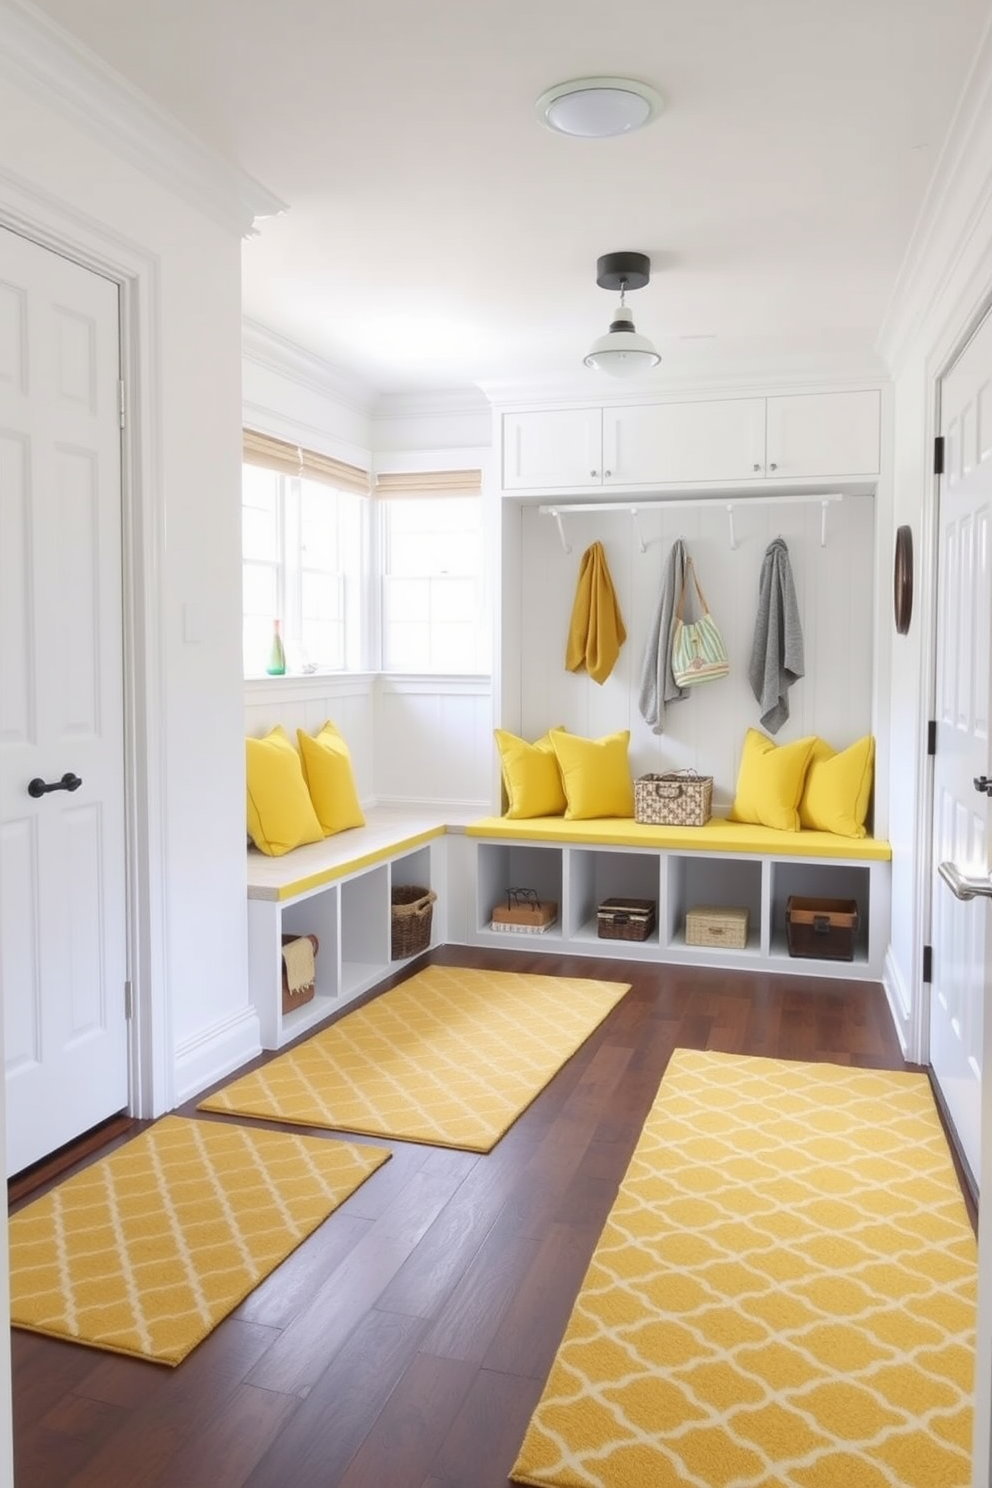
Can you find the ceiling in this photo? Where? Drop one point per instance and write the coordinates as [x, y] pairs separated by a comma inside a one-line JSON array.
[[438, 238]]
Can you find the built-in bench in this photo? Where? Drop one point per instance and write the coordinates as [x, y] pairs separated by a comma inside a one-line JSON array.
[[340, 890]]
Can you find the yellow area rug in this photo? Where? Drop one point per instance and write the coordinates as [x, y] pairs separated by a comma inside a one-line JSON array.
[[147, 1249], [451, 1057], [783, 1294]]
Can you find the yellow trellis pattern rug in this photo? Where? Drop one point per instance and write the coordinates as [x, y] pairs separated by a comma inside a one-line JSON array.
[[783, 1295], [144, 1251], [451, 1057]]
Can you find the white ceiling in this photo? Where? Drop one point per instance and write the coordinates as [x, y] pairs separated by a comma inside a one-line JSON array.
[[438, 238]]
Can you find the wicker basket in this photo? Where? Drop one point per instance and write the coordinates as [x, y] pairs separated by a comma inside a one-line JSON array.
[[716, 925], [412, 910], [625, 919], [679, 799]]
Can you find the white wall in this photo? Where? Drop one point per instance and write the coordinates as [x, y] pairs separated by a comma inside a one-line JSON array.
[[186, 387], [835, 591]]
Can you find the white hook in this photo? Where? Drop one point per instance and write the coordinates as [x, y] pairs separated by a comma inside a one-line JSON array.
[[733, 535], [561, 531], [637, 529]]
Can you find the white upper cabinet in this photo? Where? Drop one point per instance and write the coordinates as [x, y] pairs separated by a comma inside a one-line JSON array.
[[823, 434], [552, 451], [720, 440], [728, 441]]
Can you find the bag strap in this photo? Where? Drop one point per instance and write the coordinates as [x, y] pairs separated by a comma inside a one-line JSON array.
[[704, 609]]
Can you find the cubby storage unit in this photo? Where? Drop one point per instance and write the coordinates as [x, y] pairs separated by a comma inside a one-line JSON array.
[[341, 891], [581, 876]]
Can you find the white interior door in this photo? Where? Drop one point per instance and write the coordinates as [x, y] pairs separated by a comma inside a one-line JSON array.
[[961, 927], [62, 851]]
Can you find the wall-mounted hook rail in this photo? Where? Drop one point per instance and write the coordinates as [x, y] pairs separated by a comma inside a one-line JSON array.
[[694, 502]]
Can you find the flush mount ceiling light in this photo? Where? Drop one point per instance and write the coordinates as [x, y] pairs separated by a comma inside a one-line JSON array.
[[598, 107], [622, 352]]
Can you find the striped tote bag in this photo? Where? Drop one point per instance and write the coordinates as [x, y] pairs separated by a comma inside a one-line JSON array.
[[698, 652]]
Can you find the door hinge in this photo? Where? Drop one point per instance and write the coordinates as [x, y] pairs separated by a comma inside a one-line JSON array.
[[927, 964], [120, 401], [938, 455], [128, 1001], [932, 736]]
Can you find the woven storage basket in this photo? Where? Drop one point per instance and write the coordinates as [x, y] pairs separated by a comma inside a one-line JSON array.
[[291, 1000], [625, 919], [412, 912], [716, 925], [679, 799]]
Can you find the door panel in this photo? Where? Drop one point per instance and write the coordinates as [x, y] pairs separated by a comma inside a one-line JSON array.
[[961, 930], [62, 854]]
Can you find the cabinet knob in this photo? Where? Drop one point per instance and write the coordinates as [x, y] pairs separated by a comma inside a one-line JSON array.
[[757, 467], [594, 472], [772, 465], [607, 474]]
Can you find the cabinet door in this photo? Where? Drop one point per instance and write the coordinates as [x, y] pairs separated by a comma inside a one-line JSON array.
[[824, 434], [557, 450], [719, 440]]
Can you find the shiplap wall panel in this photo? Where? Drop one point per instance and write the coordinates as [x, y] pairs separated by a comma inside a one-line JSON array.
[[434, 742], [706, 730]]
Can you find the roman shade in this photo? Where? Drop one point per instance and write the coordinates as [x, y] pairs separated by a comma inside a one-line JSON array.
[[293, 459], [424, 483]]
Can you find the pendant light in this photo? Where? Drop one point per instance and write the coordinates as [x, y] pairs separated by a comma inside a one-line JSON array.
[[622, 352]]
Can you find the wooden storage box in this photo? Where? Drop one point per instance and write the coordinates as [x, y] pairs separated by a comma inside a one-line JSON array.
[[625, 919], [823, 929], [529, 917], [291, 1000], [716, 925]]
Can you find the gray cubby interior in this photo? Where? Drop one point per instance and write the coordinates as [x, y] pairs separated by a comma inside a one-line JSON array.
[[730, 882], [595, 875], [516, 865], [819, 881]]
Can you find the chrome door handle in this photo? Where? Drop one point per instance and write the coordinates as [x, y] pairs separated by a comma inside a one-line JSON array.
[[962, 887]]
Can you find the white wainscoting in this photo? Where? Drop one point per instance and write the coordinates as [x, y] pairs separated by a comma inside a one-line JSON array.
[[834, 585], [434, 741], [308, 702]]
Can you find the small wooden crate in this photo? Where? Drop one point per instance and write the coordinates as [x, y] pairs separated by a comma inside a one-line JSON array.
[[717, 925], [823, 929], [625, 919]]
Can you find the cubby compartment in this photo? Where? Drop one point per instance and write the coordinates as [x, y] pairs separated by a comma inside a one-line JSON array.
[[819, 881], [414, 871], [365, 929], [729, 882], [598, 874], [505, 866], [315, 915]]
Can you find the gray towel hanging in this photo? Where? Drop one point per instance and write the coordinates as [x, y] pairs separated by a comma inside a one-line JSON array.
[[777, 658]]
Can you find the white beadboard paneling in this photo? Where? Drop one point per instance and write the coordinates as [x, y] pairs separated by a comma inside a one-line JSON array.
[[309, 702], [704, 731], [434, 740]]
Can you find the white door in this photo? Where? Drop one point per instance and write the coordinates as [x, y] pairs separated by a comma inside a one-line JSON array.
[[961, 928], [62, 851]]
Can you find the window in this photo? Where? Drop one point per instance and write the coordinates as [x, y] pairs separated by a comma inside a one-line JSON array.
[[302, 558], [434, 608]]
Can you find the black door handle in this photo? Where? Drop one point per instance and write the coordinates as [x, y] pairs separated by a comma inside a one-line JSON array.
[[38, 787], [983, 783]]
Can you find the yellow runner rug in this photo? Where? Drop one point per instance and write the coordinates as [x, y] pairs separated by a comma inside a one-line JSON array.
[[147, 1249], [451, 1057], [783, 1294]]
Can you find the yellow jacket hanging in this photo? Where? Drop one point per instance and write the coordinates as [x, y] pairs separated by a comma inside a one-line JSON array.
[[596, 630]]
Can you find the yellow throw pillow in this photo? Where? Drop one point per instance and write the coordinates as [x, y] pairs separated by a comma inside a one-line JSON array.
[[595, 774], [280, 812], [330, 780], [530, 775], [838, 788], [770, 781]]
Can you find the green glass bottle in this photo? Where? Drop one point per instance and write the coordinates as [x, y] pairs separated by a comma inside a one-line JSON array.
[[276, 665]]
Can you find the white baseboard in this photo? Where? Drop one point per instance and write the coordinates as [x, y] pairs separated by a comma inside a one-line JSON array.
[[216, 1053], [895, 994]]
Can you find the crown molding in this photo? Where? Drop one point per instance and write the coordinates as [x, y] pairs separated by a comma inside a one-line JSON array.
[[266, 348], [957, 201], [61, 73], [443, 403], [867, 373]]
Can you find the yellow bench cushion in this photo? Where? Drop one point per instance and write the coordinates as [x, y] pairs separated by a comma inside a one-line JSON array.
[[718, 835]]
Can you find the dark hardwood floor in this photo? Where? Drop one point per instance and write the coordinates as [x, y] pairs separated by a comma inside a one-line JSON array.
[[405, 1343]]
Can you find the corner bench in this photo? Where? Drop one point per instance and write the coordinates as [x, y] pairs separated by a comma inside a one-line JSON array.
[[340, 890], [580, 863]]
